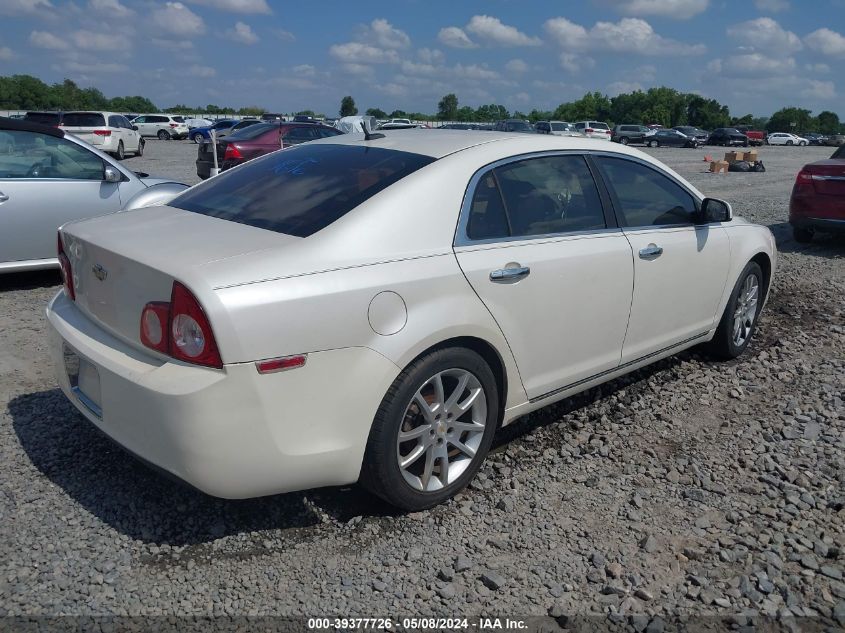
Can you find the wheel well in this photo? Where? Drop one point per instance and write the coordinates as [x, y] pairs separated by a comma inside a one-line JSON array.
[[490, 356], [765, 264]]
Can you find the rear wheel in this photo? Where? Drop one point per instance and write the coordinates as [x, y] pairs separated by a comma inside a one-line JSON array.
[[802, 235], [120, 154], [624, 140], [789, 142], [432, 430], [653, 144], [163, 135], [801, 143], [739, 321]]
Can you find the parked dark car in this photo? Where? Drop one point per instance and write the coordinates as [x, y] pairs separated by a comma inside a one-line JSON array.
[[53, 119], [698, 134], [514, 125], [221, 128], [671, 138], [629, 133], [818, 198], [728, 136], [257, 140], [814, 138], [835, 140]]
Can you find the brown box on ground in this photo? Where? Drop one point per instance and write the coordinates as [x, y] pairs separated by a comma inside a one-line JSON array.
[[750, 156], [719, 165], [732, 157]]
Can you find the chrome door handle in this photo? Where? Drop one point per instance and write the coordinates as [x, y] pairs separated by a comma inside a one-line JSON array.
[[512, 273], [3, 197], [652, 250]]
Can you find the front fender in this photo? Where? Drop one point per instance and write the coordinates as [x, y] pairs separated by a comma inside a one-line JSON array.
[[155, 195]]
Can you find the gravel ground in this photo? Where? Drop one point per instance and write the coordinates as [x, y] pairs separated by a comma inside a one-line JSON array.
[[687, 488]]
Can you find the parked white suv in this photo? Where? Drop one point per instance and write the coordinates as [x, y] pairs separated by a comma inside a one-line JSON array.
[[594, 129], [107, 131], [162, 126]]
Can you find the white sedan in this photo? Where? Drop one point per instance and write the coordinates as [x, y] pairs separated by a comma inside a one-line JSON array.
[[784, 138], [373, 309]]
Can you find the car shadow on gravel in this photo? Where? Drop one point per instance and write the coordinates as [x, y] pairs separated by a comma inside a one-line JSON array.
[[826, 245], [147, 506], [30, 280]]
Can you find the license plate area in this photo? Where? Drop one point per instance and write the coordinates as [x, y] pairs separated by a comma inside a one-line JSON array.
[[84, 380]]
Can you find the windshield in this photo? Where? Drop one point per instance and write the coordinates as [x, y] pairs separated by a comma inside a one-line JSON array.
[[301, 190]]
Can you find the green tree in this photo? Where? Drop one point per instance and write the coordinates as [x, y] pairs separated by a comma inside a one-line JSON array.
[[592, 106], [251, 111], [377, 113], [447, 108], [310, 113], [707, 114], [492, 112], [828, 122], [398, 114], [539, 115], [465, 113], [347, 107], [790, 119]]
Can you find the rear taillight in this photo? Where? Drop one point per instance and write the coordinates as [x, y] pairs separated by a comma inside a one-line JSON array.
[[174, 125], [804, 177], [180, 329], [231, 153], [607, 132], [589, 130], [102, 132], [67, 271]]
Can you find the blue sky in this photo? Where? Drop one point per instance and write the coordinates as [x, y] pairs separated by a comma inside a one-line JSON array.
[[754, 55]]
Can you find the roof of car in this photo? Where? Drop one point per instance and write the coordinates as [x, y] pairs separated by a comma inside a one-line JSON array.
[[19, 125]]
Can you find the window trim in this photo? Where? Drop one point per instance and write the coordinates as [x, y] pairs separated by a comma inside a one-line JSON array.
[[462, 239]]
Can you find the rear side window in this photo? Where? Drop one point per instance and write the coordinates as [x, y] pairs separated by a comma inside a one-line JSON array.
[[301, 190], [645, 197], [538, 196], [84, 119]]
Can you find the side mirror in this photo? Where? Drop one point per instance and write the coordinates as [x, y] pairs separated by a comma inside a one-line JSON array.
[[715, 210], [135, 127], [110, 174]]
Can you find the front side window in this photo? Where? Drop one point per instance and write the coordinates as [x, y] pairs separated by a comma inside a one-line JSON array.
[[538, 196], [645, 197], [33, 155], [140, 119], [301, 190]]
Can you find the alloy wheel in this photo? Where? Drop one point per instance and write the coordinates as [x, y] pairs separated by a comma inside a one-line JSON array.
[[441, 430], [746, 310]]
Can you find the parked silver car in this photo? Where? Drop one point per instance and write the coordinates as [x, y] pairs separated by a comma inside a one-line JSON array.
[[48, 177], [162, 126]]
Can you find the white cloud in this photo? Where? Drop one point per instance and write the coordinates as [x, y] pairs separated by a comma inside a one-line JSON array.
[[516, 66], [285, 36], [95, 68], [43, 39], [628, 35], [826, 41], [431, 56], [360, 53], [618, 87], [6, 53], [305, 70], [765, 34], [773, 6], [646, 72], [817, 68], [361, 70], [575, 63], [202, 71], [236, 6], [94, 41], [383, 34], [110, 9], [752, 65], [458, 71], [393, 90], [26, 7], [819, 90], [173, 45], [473, 71], [677, 9], [242, 33], [455, 37], [494, 31], [177, 19]]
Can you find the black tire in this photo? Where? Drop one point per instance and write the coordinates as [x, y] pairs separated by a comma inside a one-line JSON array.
[[120, 154], [198, 138], [653, 144], [723, 346], [789, 142], [141, 143], [163, 135], [801, 143], [380, 473], [624, 140], [802, 235]]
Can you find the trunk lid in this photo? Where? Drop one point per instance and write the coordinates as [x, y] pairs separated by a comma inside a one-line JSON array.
[[828, 176], [123, 261]]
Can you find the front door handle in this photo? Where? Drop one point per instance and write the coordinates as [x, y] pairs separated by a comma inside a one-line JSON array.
[[512, 272], [3, 197], [651, 251]]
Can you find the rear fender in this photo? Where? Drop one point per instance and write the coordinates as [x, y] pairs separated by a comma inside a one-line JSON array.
[[155, 196]]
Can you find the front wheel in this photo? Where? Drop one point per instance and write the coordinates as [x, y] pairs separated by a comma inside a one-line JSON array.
[[163, 135], [198, 138], [739, 320], [120, 154], [624, 140], [653, 143], [141, 143], [432, 430], [801, 144]]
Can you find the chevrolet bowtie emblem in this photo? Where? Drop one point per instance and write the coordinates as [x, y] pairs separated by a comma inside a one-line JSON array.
[[99, 272]]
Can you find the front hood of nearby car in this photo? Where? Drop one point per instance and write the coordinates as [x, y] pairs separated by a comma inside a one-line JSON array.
[[150, 181]]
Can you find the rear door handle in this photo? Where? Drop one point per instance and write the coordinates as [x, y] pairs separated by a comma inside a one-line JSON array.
[[3, 197], [651, 251], [511, 273]]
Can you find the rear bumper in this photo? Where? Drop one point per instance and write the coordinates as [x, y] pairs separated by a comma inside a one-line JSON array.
[[231, 433], [820, 224]]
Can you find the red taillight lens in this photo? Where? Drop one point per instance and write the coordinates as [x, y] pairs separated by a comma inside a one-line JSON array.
[[232, 152], [102, 132], [191, 337], [174, 125], [155, 320], [804, 177], [589, 130], [67, 271]]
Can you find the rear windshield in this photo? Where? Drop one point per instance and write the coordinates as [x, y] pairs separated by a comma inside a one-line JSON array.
[[301, 190], [598, 125], [47, 118], [252, 131], [83, 119], [561, 127], [178, 119]]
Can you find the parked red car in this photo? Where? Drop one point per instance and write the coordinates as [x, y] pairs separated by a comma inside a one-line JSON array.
[[818, 198], [257, 140]]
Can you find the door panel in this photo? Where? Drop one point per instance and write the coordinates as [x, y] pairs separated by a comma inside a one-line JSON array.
[[564, 321]]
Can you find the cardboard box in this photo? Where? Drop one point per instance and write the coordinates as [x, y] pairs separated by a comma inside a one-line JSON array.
[[719, 165], [732, 157], [750, 156]]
